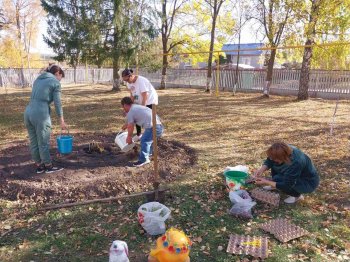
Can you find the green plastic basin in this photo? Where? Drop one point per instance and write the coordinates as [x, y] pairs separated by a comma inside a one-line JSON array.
[[237, 176]]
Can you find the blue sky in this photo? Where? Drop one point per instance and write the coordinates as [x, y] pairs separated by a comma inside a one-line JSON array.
[[41, 46], [248, 36]]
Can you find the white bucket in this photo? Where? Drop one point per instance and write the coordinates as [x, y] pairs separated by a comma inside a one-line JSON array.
[[120, 140]]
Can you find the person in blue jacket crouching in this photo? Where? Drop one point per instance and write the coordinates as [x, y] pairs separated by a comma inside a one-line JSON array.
[[292, 172]]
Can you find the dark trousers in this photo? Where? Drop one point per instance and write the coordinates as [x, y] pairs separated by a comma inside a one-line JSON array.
[[138, 128], [291, 192], [286, 190]]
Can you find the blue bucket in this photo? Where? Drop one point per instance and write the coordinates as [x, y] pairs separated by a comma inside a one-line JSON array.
[[65, 144]]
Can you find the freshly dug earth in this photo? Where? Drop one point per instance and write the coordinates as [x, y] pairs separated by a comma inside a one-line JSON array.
[[96, 168]]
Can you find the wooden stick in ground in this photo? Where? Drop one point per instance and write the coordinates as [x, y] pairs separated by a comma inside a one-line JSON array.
[[334, 114], [155, 151], [87, 202]]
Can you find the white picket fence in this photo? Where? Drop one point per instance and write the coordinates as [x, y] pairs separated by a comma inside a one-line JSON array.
[[321, 81], [283, 81], [16, 77]]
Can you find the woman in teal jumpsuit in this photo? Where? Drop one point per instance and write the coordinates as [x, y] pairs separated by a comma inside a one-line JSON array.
[[46, 89], [292, 172]]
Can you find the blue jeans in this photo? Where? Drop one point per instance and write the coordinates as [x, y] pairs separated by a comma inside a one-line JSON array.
[[147, 141], [286, 190], [302, 185]]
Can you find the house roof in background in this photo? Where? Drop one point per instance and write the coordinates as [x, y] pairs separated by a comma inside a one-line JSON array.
[[228, 47]]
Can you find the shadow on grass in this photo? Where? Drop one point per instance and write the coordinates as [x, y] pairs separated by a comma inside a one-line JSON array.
[[85, 233], [213, 126]]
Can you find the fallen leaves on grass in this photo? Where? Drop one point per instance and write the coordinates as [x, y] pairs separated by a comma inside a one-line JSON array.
[[216, 195], [265, 216], [196, 197], [198, 239], [326, 223], [24, 245], [208, 205], [347, 246]]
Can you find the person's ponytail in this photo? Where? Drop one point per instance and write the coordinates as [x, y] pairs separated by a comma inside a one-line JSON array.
[[53, 69]]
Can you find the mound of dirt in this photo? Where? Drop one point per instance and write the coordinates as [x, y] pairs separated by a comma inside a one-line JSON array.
[[96, 168]]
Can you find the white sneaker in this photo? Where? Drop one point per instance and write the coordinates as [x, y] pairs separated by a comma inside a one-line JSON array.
[[268, 188], [140, 164], [292, 200], [136, 138]]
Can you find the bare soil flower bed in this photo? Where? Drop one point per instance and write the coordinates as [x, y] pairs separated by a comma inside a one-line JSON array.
[[96, 168]]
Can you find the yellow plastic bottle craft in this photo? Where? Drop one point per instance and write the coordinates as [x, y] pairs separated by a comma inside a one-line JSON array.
[[173, 246]]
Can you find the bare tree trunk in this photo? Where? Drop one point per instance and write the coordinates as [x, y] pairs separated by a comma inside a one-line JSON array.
[[116, 59], [29, 44], [2, 19], [75, 74], [237, 62], [19, 38], [28, 60], [303, 93], [116, 77], [1, 81], [269, 74], [167, 18], [27, 41], [210, 58], [164, 69], [307, 57], [163, 80], [98, 73], [165, 29]]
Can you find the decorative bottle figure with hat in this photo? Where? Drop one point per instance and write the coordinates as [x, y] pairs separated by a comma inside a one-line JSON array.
[[173, 246]]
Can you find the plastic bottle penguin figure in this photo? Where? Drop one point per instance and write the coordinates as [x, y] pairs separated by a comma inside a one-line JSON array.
[[173, 246]]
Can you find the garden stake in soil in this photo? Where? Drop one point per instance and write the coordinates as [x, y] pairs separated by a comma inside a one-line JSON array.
[[155, 154]]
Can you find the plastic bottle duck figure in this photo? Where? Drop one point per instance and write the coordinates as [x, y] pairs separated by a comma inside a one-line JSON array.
[[173, 246]]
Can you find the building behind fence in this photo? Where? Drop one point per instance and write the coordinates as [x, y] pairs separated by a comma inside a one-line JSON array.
[[323, 83]]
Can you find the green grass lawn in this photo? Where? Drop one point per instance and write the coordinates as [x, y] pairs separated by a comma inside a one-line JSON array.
[[225, 131]]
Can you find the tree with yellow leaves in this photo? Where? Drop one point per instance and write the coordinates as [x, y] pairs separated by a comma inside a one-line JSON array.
[[10, 57], [275, 17], [168, 14], [23, 18], [322, 18], [213, 24]]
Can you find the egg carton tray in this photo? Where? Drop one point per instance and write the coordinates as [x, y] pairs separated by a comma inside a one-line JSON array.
[[248, 245], [283, 229], [265, 196]]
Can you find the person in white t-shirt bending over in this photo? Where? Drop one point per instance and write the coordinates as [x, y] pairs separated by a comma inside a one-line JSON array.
[[142, 92]]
